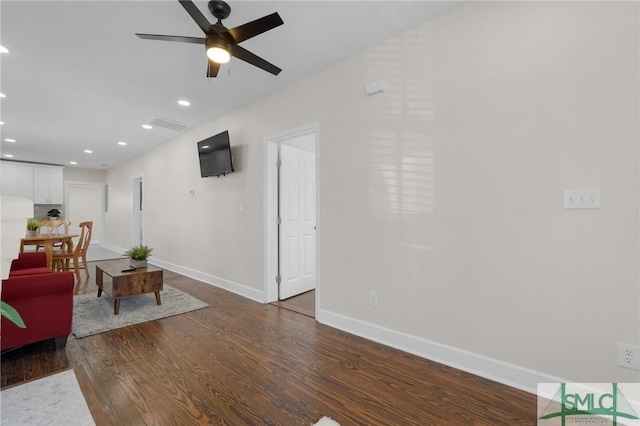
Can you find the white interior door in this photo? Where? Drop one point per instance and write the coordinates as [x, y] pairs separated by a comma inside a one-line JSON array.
[[297, 222], [85, 204]]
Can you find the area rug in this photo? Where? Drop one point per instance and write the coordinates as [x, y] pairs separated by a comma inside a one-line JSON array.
[[52, 400], [326, 421], [93, 315]]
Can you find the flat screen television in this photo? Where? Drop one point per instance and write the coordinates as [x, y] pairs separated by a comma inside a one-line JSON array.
[[215, 155]]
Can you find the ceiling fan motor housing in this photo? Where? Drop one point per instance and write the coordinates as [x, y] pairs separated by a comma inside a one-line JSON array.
[[217, 41]]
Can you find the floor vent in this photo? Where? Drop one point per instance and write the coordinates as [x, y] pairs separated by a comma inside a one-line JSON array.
[[167, 123]]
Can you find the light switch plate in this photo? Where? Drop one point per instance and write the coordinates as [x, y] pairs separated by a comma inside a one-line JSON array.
[[588, 198]]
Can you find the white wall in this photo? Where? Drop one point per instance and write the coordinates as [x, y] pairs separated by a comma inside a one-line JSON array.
[[444, 194], [75, 174]]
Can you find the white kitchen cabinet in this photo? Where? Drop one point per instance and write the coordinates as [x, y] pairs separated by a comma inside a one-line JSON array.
[[47, 185], [17, 179], [25, 181], [9, 183]]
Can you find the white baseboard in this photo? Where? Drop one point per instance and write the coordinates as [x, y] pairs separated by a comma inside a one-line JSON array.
[[112, 248], [240, 289], [499, 371]]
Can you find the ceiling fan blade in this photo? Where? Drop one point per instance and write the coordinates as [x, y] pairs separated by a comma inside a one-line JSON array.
[[212, 68], [253, 28], [245, 55], [196, 15], [196, 40]]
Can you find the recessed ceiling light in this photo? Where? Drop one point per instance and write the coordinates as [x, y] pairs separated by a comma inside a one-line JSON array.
[[122, 143], [88, 151], [4, 49], [9, 155], [184, 103], [73, 162], [147, 126], [9, 140], [2, 95]]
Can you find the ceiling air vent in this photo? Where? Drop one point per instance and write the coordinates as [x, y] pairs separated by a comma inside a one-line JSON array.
[[167, 124]]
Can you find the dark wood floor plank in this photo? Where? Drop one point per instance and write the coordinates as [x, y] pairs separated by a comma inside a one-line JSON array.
[[239, 362], [100, 415]]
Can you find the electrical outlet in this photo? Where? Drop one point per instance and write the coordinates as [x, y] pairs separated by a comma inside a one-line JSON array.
[[629, 356], [373, 298]]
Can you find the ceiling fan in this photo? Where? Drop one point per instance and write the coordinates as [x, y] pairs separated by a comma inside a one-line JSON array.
[[220, 42]]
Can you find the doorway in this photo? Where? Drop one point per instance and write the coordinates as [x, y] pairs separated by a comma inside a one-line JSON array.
[[85, 202], [137, 208], [291, 225]]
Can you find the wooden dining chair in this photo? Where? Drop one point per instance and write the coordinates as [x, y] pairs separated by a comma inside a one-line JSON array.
[[76, 259], [56, 227]]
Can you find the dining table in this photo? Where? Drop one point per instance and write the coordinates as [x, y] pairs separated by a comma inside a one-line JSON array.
[[47, 241]]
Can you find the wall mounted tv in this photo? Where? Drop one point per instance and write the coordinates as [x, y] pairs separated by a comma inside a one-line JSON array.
[[215, 155]]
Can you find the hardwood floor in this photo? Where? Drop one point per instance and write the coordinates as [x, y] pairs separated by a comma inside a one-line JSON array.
[[239, 362], [304, 303]]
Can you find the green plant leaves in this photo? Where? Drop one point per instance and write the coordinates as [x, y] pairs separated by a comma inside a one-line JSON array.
[[140, 252], [11, 314]]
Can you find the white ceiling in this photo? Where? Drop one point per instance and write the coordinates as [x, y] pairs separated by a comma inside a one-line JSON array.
[[77, 77]]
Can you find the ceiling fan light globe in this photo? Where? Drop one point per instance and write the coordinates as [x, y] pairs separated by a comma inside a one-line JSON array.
[[218, 55]]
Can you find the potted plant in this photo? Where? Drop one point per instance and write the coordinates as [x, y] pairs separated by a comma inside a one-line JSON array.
[[138, 255], [32, 227], [53, 214]]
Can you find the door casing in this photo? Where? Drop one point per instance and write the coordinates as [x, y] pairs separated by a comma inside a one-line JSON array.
[[270, 201], [137, 213]]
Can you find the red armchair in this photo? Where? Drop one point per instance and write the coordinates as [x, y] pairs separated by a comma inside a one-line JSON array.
[[44, 300], [29, 263]]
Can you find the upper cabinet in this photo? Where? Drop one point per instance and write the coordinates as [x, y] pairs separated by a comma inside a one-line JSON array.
[[17, 179], [40, 183], [47, 185], [9, 183]]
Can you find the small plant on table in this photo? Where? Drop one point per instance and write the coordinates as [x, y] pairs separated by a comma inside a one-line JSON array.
[[32, 227], [138, 255]]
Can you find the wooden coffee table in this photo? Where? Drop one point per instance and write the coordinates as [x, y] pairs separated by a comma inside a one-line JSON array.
[[117, 284]]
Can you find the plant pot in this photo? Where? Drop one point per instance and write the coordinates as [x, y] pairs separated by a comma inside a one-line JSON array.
[[138, 263], [32, 233]]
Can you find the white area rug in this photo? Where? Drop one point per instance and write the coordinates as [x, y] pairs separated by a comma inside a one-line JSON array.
[[52, 400], [93, 315], [326, 421]]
